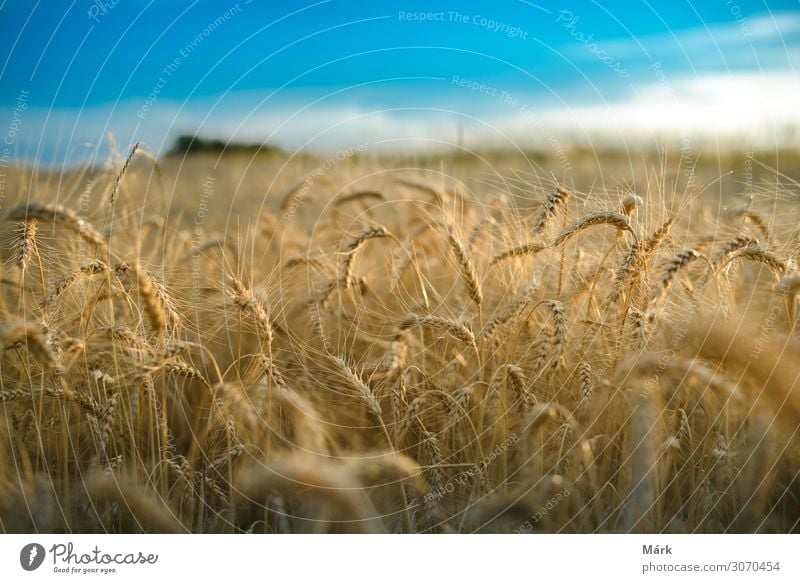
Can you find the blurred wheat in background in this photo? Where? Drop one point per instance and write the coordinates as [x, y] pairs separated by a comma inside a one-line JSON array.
[[273, 345]]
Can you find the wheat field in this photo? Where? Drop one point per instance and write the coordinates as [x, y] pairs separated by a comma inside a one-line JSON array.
[[358, 344]]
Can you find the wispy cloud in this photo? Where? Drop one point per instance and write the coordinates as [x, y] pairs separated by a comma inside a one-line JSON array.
[[757, 42]]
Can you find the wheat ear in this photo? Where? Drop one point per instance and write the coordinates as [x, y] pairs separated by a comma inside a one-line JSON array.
[[360, 195], [466, 269], [25, 243], [92, 268], [58, 214], [559, 197], [19, 333], [670, 272], [612, 218], [520, 251], [374, 232]]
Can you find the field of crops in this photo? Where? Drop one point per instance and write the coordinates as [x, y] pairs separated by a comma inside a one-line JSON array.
[[255, 343]]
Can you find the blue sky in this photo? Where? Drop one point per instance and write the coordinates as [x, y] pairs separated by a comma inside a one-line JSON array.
[[336, 73]]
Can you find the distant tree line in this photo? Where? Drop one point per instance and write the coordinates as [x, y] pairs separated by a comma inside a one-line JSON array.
[[189, 144]]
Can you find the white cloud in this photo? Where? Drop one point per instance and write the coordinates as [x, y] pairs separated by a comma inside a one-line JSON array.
[[753, 106], [734, 103]]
